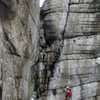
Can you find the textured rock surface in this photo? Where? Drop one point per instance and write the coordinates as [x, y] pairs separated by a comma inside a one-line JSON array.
[[67, 53], [19, 20], [70, 50]]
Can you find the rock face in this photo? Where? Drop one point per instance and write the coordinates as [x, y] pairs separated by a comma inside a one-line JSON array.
[[65, 53], [69, 50], [19, 23]]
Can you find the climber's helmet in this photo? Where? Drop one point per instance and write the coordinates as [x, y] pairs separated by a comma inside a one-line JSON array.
[[67, 88]]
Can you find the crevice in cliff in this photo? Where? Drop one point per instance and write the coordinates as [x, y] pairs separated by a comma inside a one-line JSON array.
[[81, 86], [27, 3], [59, 51], [84, 35], [33, 19], [35, 77], [9, 45], [49, 67], [66, 20]]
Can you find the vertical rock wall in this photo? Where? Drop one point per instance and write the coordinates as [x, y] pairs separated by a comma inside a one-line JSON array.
[[67, 53], [19, 23], [70, 49]]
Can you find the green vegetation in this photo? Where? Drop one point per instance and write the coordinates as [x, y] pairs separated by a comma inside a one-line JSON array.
[[95, 1], [97, 67], [32, 93], [95, 4], [97, 51], [31, 88]]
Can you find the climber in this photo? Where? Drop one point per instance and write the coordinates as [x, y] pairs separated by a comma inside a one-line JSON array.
[[68, 93]]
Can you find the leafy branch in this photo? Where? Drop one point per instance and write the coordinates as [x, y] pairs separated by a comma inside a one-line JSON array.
[[95, 4]]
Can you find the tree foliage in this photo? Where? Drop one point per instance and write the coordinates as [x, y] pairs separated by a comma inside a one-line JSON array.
[[95, 4]]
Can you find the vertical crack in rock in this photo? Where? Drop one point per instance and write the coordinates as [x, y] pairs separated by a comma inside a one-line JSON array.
[[66, 20], [57, 53], [9, 45]]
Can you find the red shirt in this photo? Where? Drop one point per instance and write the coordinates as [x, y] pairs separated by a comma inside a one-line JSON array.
[[69, 93]]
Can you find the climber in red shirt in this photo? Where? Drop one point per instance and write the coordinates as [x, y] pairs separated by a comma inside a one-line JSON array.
[[68, 93]]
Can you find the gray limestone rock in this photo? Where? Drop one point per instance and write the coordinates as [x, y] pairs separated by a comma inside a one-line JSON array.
[[19, 49], [75, 25], [43, 54]]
